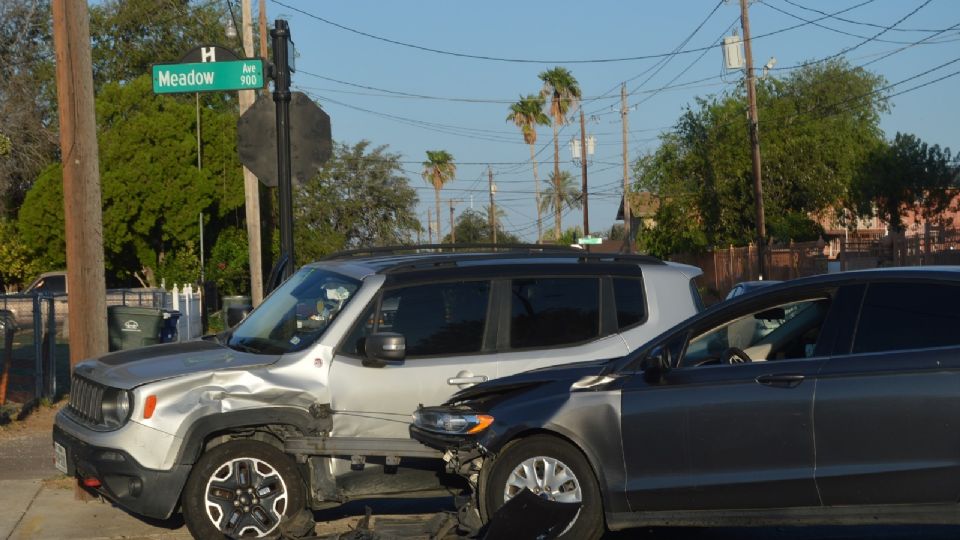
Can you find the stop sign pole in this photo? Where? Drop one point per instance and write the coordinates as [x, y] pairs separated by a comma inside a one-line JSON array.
[[281, 96]]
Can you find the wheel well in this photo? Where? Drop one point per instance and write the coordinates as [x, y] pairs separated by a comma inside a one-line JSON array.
[[272, 434], [485, 470]]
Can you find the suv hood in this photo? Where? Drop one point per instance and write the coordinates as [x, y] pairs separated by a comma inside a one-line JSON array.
[[129, 369], [529, 379]]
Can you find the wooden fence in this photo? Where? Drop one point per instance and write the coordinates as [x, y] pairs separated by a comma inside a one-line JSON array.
[[724, 268]]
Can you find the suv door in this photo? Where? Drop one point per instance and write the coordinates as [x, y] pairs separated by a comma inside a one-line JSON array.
[[449, 346], [730, 427], [550, 321], [886, 413]]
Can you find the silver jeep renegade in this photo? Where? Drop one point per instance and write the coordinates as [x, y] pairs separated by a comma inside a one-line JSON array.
[[306, 403]]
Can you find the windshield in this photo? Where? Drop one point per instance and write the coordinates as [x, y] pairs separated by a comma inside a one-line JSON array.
[[296, 314]]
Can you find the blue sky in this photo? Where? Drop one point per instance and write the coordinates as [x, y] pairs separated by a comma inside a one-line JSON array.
[[469, 120]]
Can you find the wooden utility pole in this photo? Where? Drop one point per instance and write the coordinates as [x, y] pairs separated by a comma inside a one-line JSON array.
[[83, 218], [627, 237], [754, 129], [251, 186], [583, 174], [262, 23], [493, 206], [453, 231]]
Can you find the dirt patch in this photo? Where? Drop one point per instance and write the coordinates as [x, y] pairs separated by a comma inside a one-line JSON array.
[[31, 420]]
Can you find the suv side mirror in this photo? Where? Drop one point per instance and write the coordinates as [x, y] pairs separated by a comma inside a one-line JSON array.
[[656, 365], [384, 348]]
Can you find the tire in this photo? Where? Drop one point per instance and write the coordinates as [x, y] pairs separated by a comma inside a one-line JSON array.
[[214, 494], [540, 450]]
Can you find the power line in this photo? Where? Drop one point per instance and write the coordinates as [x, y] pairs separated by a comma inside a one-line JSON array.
[[861, 23]]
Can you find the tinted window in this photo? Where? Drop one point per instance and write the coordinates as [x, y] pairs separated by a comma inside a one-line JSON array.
[[631, 308], [440, 318], [554, 311], [354, 343], [899, 316]]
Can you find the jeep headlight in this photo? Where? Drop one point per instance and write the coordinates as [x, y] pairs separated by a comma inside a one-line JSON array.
[[451, 421], [116, 407]]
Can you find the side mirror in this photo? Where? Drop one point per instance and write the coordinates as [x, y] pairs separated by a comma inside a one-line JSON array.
[[384, 348], [656, 365]]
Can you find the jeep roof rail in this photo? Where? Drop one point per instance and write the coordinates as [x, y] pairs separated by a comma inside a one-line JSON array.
[[452, 248]]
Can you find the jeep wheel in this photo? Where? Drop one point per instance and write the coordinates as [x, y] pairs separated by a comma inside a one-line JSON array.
[[552, 469], [242, 488]]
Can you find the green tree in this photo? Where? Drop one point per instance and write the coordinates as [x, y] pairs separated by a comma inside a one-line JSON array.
[[903, 176], [526, 114], [360, 198], [129, 36], [473, 227], [153, 193], [438, 169], [229, 263], [564, 93], [818, 125], [562, 193], [17, 263]]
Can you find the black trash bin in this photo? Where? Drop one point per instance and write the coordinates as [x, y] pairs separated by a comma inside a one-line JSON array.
[[235, 308], [168, 330], [129, 327]]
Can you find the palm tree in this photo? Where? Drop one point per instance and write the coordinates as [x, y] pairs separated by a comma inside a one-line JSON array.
[[437, 171], [526, 114], [564, 92], [561, 193]]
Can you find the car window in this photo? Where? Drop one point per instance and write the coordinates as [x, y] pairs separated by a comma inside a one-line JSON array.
[[777, 332], [631, 305], [548, 312], [436, 319], [898, 316]]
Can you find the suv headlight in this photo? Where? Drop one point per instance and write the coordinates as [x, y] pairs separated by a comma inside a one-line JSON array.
[[451, 422], [116, 407]]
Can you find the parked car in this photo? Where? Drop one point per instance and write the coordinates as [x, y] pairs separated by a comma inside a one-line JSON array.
[[306, 402], [749, 286], [21, 305], [845, 413]]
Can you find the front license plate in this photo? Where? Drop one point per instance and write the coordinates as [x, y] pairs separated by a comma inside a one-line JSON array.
[[60, 457]]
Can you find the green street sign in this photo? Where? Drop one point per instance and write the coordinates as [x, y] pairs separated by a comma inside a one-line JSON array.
[[590, 240], [208, 76]]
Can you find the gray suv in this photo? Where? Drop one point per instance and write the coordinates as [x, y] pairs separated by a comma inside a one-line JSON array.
[[305, 403]]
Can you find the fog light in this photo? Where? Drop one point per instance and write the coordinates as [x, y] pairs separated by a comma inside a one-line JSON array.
[[134, 487]]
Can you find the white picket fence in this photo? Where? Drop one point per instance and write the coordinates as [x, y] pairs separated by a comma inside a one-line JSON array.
[[186, 300]]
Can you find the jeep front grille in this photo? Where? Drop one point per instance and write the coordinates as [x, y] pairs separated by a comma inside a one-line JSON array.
[[85, 400]]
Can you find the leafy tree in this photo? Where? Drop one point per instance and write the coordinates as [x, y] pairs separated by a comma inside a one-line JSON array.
[[129, 36], [17, 264], [904, 176], [359, 198], [564, 93], [27, 98], [562, 193], [229, 264], [818, 126], [438, 169], [570, 236], [153, 193], [473, 227], [526, 114]]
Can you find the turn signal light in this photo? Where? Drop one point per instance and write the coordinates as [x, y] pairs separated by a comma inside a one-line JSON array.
[[483, 422], [149, 406]]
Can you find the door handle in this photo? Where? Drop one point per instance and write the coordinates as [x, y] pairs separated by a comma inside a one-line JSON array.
[[781, 381], [475, 379]]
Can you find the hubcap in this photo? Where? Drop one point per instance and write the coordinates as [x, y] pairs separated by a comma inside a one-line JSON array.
[[246, 497], [547, 478]]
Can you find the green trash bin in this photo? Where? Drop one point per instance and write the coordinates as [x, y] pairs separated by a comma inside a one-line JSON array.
[[130, 327]]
